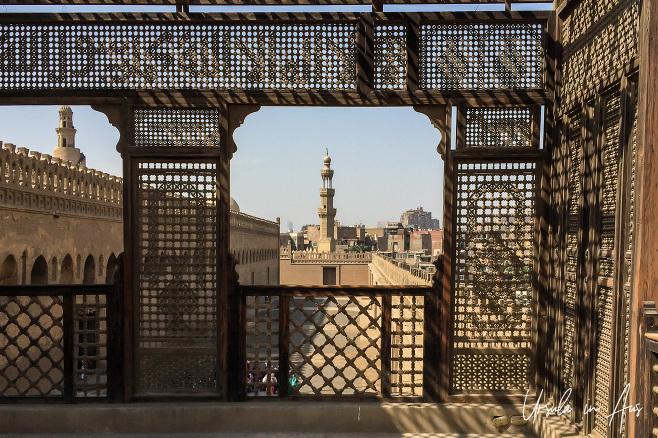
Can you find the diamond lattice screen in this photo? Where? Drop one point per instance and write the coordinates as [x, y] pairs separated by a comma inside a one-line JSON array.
[[177, 275], [493, 297], [335, 345], [481, 56], [31, 346]]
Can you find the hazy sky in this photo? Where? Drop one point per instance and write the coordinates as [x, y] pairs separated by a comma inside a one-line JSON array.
[[385, 159]]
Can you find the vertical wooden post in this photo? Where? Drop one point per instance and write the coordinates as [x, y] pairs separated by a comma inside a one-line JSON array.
[[69, 346], [284, 344], [115, 339], [365, 55], [413, 53], [645, 281], [433, 363], [449, 229], [386, 344]]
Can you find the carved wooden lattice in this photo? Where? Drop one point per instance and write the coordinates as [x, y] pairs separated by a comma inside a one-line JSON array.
[[200, 56], [262, 345], [498, 127], [481, 56], [31, 346], [571, 269], [407, 351], [335, 345], [177, 284], [391, 56], [600, 40], [90, 345], [168, 127], [494, 268]]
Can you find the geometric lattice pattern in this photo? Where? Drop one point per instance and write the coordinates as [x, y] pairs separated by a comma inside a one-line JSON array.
[[407, 343], [600, 39], [335, 345], [483, 372], [165, 127], [494, 265], [176, 266], [90, 345], [498, 127], [31, 346], [391, 57], [161, 56], [481, 56], [606, 295], [262, 345], [573, 227]]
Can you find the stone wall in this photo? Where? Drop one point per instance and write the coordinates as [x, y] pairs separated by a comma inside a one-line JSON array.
[[255, 245], [59, 222], [383, 271]]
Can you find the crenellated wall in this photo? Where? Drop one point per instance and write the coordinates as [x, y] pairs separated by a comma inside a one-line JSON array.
[[59, 222]]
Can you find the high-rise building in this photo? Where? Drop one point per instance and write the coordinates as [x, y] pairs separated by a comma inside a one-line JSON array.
[[419, 219], [327, 212]]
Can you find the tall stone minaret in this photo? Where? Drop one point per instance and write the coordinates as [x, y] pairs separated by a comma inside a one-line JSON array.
[[66, 149], [327, 212]]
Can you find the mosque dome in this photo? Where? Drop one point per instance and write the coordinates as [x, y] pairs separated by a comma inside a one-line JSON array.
[[327, 160], [234, 206], [65, 108]]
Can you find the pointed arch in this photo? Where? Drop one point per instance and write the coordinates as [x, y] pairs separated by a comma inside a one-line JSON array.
[[66, 271], [112, 266], [39, 273], [9, 271], [89, 270]]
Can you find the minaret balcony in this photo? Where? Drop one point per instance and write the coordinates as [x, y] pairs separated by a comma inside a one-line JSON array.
[[324, 212], [327, 192]]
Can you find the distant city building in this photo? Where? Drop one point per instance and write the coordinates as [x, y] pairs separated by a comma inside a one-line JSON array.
[[419, 219]]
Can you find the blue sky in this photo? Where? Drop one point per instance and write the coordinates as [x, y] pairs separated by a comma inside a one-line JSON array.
[[385, 159]]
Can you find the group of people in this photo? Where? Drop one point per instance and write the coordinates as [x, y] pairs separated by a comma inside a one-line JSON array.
[[265, 379]]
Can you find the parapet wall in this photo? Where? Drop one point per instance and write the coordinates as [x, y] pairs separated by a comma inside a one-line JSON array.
[[398, 273], [36, 181]]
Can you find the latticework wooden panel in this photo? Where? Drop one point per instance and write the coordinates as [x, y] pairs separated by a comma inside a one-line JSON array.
[[201, 56], [335, 345], [493, 296], [391, 56], [90, 345], [167, 127], [262, 345], [498, 127], [177, 284], [31, 346], [571, 269], [407, 345], [600, 40], [606, 303], [481, 56]]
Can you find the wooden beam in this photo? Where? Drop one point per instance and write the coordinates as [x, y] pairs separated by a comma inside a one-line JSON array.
[[644, 285]]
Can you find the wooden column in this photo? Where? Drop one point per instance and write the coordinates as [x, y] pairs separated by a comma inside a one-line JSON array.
[[645, 277]]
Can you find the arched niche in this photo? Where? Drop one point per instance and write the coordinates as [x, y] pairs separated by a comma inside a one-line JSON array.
[[66, 271], [89, 273], [9, 271], [39, 273]]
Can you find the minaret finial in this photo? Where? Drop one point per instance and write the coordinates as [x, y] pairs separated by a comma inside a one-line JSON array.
[[327, 152]]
